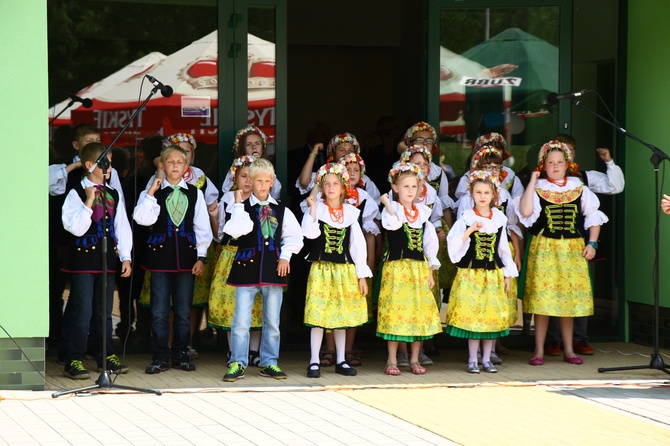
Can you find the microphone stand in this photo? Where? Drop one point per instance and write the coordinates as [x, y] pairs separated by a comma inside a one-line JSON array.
[[70, 104], [657, 157], [104, 381]]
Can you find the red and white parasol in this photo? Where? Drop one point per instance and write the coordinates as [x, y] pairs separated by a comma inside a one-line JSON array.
[[138, 67], [192, 72]]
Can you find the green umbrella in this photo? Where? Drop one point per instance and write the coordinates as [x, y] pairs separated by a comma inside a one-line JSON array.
[[536, 61]]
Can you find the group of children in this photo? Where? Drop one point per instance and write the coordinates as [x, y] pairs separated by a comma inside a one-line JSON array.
[[346, 222]]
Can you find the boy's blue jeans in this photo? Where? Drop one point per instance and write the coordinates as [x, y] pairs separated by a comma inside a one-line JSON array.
[[244, 301], [84, 288], [168, 289]]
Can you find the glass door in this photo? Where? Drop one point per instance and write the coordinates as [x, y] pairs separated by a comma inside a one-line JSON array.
[[253, 39], [491, 69]]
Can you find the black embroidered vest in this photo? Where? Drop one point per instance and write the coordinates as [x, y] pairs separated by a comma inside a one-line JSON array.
[[405, 243], [170, 248], [332, 245], [84, 252], [256, 260], [483, 251], [563, 220]]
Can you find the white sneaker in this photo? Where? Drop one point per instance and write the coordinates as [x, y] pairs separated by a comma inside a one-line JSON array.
[[424, 360], [403, 359]]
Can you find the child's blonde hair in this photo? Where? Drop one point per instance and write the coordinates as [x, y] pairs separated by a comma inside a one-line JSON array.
[[261, 165], [169, 149]]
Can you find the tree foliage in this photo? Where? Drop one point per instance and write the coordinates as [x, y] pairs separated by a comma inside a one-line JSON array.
[[89, 40]]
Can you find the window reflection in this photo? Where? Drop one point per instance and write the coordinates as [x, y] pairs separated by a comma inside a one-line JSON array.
[[497, 66]]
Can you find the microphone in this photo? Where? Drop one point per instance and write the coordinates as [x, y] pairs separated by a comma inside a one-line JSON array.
[[85, 102], [553, 98], [166, 90]]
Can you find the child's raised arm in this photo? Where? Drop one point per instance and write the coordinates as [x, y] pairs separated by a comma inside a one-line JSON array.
[[526, 201], [306, 172]]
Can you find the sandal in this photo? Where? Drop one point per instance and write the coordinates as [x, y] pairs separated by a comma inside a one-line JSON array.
[[352, 359], [417, 369], [326, 358], [392, 369]]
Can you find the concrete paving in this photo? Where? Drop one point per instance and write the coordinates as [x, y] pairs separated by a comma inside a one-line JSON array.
[[557, 403]]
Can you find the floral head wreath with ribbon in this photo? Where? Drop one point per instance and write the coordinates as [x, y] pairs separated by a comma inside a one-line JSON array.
[[400, 167], [482, 175], [174, 140], [492, 139], [341, 139], [337, 169], [242, 161], [354, 158], [243, 132], [482, 152], [415, 148], [420, 127], [557, 146]]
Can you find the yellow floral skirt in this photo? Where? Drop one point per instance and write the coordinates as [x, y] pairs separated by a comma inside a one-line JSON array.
[[478, 304], [512, 295], [557, 279], [222, 295], [334, 298], [203, 282], [407, 310]]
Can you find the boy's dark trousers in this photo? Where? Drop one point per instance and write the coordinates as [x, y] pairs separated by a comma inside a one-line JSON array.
[[170, 289], [86, 297]]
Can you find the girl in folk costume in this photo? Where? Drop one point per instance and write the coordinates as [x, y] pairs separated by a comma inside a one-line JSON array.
[[336, 286], [489, 159], [420, 154], [250, 141], [369, 210], [338, 146], [424, 134], [509, 180], [559, 212], [478, 305], [222, 295], [407, 310]]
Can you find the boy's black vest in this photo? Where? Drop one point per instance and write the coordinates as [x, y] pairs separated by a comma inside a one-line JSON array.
[[563, 220], [170, 248], [332, 245], [255, 263], [405, 243], [84, 252], [483, 251]]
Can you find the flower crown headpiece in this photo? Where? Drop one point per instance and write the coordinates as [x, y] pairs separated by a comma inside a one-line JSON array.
[[337, 169], [481, 152], [350, 158], [340, 139], [415, 148], [243, 132], [483, 175], [242, 161], [400, 167], [174, 140], [492, 139], [420, 127], [557, 146]]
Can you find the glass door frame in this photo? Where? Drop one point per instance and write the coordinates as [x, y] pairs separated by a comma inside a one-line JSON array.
[[433, 49], [233, 96]]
